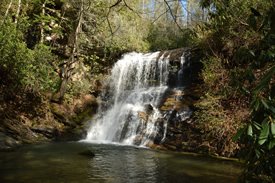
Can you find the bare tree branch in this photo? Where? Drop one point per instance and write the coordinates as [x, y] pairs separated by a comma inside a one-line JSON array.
[[109, 24], [160, 16], [117, 3], [8, 9], [138, 14], [43, 23], [173, 16], [68, 66], [18, 11], [109, 12]]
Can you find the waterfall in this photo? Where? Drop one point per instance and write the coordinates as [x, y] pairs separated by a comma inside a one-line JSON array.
[[129, 112], [181, 71]]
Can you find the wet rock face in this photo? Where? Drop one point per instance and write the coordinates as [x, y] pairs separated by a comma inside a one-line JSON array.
[[183, 131], [175, 119], [178, 105], [185, 66]]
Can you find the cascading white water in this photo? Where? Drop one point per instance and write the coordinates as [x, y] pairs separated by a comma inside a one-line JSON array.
[[181, 71], [134, 89]]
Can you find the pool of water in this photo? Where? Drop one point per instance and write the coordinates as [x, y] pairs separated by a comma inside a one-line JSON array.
[[63, 162]]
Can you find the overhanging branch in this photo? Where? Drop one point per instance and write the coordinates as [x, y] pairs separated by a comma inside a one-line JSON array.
[[173, 16]]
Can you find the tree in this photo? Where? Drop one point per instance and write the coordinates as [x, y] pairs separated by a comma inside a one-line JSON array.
[[68, 65], [18, 11], [8, 9]]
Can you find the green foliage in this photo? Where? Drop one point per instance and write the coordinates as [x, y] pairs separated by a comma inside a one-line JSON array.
[[41, 75], [22, 67], [212, 72], [214, 116], [218, 126], [260, 132], [78, 88], [14, 55], [163, 36], [241, 34], [125, 30], [81, 81]]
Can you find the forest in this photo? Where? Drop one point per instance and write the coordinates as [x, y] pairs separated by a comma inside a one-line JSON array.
[[55, 55]]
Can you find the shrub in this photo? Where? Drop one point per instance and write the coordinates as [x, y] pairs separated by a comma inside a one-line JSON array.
[[22, 67]]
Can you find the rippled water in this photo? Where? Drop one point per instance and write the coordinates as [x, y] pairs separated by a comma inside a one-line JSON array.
[[61, 162]]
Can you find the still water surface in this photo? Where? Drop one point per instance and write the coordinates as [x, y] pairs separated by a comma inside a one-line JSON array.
[[62, 162]]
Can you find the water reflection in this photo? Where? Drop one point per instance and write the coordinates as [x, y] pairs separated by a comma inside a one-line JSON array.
[[111, 164], [124, 165]]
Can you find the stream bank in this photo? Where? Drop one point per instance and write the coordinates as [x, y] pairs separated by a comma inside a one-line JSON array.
[[27, 117]]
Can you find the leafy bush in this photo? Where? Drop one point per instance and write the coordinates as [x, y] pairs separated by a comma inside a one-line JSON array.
[[80, 82], [242, 35], [218, 121], [22, 67], [169, 36], [259, 133], [41, 75], [15, 56]]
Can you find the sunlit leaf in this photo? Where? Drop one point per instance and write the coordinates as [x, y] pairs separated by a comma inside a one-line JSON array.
[[272, 126], [264, 133], [258, 153], [250, 130], [264, 104], [252, 53], [257, 125], [256, 105]]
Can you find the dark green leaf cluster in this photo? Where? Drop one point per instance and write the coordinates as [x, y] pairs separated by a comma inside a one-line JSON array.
[[22, 67], [242, 34]]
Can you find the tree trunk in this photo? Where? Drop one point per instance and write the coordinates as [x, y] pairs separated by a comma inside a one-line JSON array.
[[176, 9], [8, 9], [68, 67], [143, 7], [188, 14], [42, 34], [18, 11]]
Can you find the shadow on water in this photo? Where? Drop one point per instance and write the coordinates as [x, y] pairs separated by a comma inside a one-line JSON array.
[[70, 162]]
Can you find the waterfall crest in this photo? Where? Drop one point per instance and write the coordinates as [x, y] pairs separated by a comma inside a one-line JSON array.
[[129, 113]]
